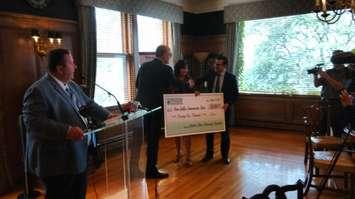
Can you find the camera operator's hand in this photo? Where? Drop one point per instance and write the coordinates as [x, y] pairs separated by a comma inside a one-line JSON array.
[[345, 98], [323, 74], [331, 81]]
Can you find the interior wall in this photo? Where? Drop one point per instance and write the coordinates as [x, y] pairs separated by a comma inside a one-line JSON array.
[[202, 33]]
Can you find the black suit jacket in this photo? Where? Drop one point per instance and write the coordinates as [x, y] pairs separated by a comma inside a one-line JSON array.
[[229, 87], [153, 80]]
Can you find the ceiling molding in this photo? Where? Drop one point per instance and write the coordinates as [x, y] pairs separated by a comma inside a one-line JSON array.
[[203, 6]]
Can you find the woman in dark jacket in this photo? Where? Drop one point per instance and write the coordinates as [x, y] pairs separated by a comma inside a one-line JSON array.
[[183, 84]]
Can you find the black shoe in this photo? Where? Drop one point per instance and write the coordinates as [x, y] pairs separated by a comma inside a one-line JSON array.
[[156, 175], [207, 158], [226, 160]]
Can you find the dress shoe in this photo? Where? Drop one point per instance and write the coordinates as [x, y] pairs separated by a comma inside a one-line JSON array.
[[207, 158], [156, 175], [226, 160]]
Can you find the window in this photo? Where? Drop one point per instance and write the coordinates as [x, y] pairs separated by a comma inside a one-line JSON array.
[[275, 53], [150, 33], [111, 71]]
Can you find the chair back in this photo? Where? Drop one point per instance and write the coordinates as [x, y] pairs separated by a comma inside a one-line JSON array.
[[311, 119], [280, 192]]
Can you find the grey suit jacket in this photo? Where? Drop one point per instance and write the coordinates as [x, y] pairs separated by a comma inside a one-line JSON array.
[[48, 112]]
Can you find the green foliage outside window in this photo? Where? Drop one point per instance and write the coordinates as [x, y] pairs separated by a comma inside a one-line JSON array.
[[274, 54]]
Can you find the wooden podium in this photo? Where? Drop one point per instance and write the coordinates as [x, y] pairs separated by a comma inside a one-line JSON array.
[[124, 165]]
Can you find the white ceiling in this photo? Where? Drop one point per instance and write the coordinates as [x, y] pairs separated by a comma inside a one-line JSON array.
[[201, 6]]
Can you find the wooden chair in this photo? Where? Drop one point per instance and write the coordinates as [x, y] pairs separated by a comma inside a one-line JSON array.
[[280, 192], [312, 136], [321, 160]]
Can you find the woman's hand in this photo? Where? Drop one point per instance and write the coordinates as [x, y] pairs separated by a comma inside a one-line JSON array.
[[191, 83]]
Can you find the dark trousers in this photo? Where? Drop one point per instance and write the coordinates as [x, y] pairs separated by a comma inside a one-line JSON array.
[[225, 140], [331, 116], [152, 126], [65, 186]]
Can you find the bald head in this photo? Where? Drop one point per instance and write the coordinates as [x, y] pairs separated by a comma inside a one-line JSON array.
[[163, 53]]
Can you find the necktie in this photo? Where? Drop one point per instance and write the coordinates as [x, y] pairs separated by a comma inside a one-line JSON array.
[[217, 87], [76, 104], [73, 98]]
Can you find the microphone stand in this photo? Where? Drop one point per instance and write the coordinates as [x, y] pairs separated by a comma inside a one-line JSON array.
[[124, 114]]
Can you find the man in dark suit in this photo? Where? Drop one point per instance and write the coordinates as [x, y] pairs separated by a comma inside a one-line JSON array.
[[209, 70], [56, 146], [154, 79], [225, 82]]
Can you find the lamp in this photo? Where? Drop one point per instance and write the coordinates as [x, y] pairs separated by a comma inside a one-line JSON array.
[[330, 11], [43, 45]]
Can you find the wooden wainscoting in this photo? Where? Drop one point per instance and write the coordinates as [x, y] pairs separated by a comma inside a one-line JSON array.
[[212, 43], [272, 111], [20, 67]]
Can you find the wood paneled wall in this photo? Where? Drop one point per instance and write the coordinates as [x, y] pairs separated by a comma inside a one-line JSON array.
[[192, 44], [212, 43], [20, 67], [272, 111]]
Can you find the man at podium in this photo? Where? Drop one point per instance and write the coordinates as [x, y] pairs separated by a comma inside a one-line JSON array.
[[56, 147]]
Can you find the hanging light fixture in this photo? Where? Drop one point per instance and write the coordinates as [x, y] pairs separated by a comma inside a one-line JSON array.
[[330, 11]]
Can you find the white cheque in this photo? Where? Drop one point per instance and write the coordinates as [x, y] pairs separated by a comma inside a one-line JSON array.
[[187, 114]]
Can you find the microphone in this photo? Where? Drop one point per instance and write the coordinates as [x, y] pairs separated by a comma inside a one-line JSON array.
[[124, 114]]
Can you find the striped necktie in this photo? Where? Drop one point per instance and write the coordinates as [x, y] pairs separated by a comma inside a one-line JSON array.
[[77, 105], [73, 98]]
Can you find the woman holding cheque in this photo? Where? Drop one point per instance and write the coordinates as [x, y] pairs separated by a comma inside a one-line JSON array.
[[183, 84]]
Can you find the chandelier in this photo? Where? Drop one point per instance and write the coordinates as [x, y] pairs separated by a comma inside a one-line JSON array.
[[330, 11]]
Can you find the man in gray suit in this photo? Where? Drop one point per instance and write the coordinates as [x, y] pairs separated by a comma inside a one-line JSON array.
[[56, 146]]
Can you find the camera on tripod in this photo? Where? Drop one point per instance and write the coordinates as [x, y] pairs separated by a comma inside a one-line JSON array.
[[316, 69]]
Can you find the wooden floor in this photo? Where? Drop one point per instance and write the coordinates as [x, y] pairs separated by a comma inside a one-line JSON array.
[[259, 157]]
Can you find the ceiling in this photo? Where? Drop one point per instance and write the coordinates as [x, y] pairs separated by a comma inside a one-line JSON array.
[[201, 6]]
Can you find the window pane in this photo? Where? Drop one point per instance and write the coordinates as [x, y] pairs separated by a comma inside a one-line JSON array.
[[150, 33], [109, 31], [277, 52], [111, 74]]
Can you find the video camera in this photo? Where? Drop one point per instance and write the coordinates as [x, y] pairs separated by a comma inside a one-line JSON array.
[[315, 69]]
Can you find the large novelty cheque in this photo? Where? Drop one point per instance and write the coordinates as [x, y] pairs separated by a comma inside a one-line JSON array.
[[187, 114]]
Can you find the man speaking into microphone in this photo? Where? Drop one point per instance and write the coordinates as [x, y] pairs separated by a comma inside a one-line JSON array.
[[56, 147]]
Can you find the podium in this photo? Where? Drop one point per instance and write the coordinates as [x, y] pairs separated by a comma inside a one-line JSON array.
[[124, 154]]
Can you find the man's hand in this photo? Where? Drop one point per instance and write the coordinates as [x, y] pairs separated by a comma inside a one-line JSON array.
[[346, 99], [226, 105], [112, 115], [75, 133]]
